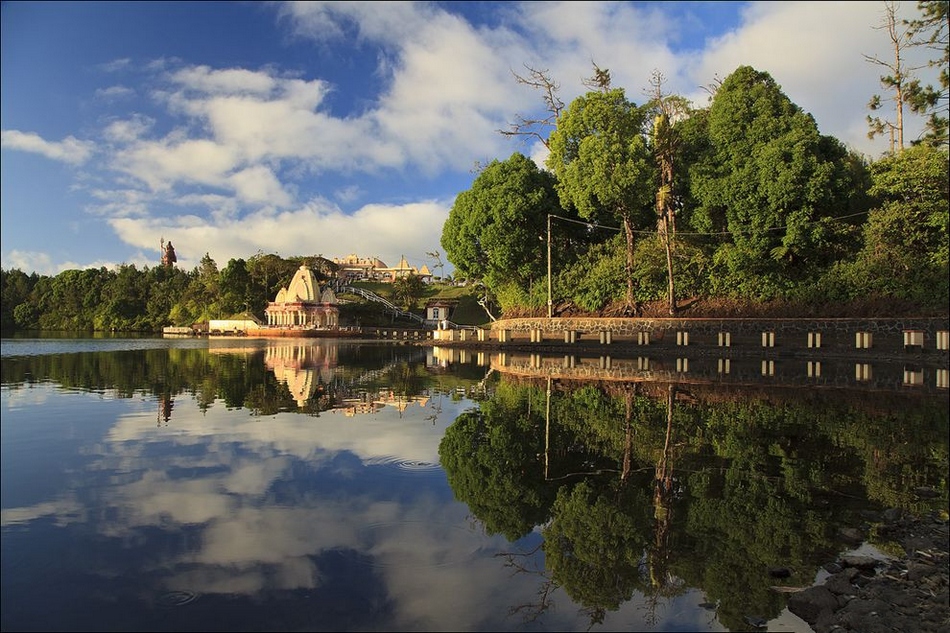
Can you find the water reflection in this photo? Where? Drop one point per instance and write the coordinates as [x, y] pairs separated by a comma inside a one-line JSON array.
[[650, 487], [332, 485]]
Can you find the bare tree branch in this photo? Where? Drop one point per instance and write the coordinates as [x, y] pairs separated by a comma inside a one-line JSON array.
[[537, 128]]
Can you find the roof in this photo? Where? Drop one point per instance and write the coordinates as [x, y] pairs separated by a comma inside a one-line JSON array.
[[441, 303]]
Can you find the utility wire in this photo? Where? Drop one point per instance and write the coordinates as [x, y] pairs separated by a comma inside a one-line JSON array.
[[594, 225]]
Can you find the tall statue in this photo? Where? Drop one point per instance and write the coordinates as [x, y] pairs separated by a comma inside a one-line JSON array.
[[168, 253]]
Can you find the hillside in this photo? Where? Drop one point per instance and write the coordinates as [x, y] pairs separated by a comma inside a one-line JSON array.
[[361, 312], [355, 310]]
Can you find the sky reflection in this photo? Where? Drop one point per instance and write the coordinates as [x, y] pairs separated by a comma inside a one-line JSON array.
[[351, 515]]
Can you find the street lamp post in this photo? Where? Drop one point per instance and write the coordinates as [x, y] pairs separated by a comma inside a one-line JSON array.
[[549, 266]]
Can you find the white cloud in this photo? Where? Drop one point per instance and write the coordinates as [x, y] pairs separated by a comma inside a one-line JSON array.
[[116, 65], [162, 165], [114, 92], [70, 150], [258, 185], [319, 228], [29, 261], [230, 81], [386, 22], [120, 202], [242, 148], [42, 263], [128, 130]]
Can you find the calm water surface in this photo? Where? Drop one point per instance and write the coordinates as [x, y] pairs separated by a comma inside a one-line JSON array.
[[247, 485]]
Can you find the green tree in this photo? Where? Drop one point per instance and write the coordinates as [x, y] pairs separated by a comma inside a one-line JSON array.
[[595, 543], [202, 299], [905, 242], [780, 190], [124, 300], [898, 81], [496, 231], [167, 285], [669, 110], [597, 280], [603, 166], [932, 31], [268, 274], [407, 290], [235, 284], [15, 289]]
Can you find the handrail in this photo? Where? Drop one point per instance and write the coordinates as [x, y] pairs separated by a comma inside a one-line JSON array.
[[456, 326], [372, 296]]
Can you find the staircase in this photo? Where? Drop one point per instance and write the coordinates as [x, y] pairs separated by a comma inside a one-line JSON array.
[[388, 305]]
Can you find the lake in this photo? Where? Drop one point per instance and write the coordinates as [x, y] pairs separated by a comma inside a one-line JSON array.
[[234, 484]]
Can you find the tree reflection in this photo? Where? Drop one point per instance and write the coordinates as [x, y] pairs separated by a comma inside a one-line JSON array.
[[492, 455], [644, 491], [639, 491]]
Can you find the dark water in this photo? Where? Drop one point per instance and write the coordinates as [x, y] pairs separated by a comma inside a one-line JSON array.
[[247, 485]]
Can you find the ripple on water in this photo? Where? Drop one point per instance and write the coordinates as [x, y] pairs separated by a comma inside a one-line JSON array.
[[177, 598], [406, 465]]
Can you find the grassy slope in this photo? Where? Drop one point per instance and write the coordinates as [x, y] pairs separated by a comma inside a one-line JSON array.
[[468, 311]]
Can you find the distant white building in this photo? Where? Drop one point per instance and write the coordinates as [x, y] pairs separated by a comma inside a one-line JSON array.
[[355, 268]]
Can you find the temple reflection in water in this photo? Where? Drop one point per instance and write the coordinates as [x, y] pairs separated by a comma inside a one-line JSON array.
[[315, 379], [305, 369]]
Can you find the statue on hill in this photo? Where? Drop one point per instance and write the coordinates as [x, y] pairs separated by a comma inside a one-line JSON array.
[[168, 254]]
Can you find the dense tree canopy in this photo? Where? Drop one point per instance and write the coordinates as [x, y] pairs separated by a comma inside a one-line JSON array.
[[775, 188], [131, 299], [603, 165], [496, 231]]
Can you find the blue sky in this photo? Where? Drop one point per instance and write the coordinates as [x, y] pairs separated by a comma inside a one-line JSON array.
[[331, 128]]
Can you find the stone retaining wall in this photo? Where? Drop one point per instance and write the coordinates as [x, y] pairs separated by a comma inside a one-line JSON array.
[[726, 369], [896, 335]]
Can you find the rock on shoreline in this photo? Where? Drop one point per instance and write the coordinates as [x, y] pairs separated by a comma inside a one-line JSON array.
[[908, 593]]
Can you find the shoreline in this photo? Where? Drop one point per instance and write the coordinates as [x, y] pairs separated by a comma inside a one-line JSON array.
[[908, 592]]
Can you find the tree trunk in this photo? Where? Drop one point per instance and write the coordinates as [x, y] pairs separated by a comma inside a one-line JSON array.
[[669, 264], [628, 231]]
